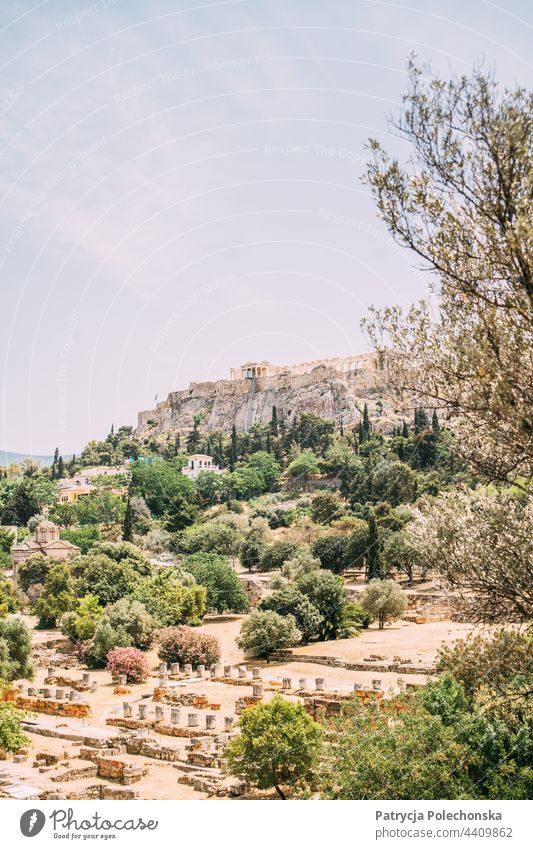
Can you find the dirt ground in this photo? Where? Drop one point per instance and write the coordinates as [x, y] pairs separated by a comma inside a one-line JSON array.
[[401, 642]]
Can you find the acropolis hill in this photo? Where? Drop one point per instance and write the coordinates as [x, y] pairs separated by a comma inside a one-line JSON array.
[[335, 388]]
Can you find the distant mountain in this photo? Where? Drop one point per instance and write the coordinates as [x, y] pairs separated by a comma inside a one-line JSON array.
[[9, 457]]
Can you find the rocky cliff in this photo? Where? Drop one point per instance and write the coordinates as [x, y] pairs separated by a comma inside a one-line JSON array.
[[335, 389]]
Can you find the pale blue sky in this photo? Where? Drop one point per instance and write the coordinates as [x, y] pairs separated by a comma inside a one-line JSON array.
[[180, 189]]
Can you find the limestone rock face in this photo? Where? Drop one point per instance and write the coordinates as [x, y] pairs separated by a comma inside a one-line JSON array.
[[327, 390]]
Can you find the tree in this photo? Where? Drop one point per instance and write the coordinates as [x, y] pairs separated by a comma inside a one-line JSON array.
[[11, 598], [127, 528], [193, 439], [373, 554], [264, 632], [276, 555], [413, 757], [252, 550], [208, 488], [81, 623], [24, 497], [105, 578], [100, 507], [332, 552], [393, 482], [57, 596], [481, 546], [384, 600], [34, 570], [326, 507], [365, 425], [278, 745], [15, 650], [463, 206], [234, 452], [290, 601], [225, 592], [399, 555], [327, 593], [168, 493], [132, 617], [84, 537], [357, 548], [106, 638], [12, 737], [303, 562], [213, 537], [121, 552], [503, 657], [303, 466], [169, 601]]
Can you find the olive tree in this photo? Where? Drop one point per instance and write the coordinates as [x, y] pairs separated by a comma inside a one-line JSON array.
[[462, 204], [384, 600]]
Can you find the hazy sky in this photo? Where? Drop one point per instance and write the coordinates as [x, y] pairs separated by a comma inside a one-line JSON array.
[[180, 189]]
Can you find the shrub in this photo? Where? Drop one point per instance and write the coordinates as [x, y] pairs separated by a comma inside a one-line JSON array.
[[105, 640], [215, 537], [265, 631], [130, 662], [290, 601], [133, 618], [124, 552], [384, 600], [12, 738], [224, 589], [185, 645], [15, 650]]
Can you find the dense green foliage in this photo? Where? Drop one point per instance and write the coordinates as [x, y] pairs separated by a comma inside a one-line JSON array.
[[15, 650], [224, 590], [278, 746]]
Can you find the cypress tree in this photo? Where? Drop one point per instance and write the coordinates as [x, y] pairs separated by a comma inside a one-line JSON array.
[[435, 424], [405, 430], [53, 470], [274, 422], [193, 438], [374, 564], [127, 530], [233, 451], [60, 469], [366, 422]]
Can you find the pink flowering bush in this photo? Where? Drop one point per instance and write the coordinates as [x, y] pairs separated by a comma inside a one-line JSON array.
[[186, 645], [130, 662]]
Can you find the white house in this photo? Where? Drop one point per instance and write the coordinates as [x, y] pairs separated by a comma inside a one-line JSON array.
[[200, 463]]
